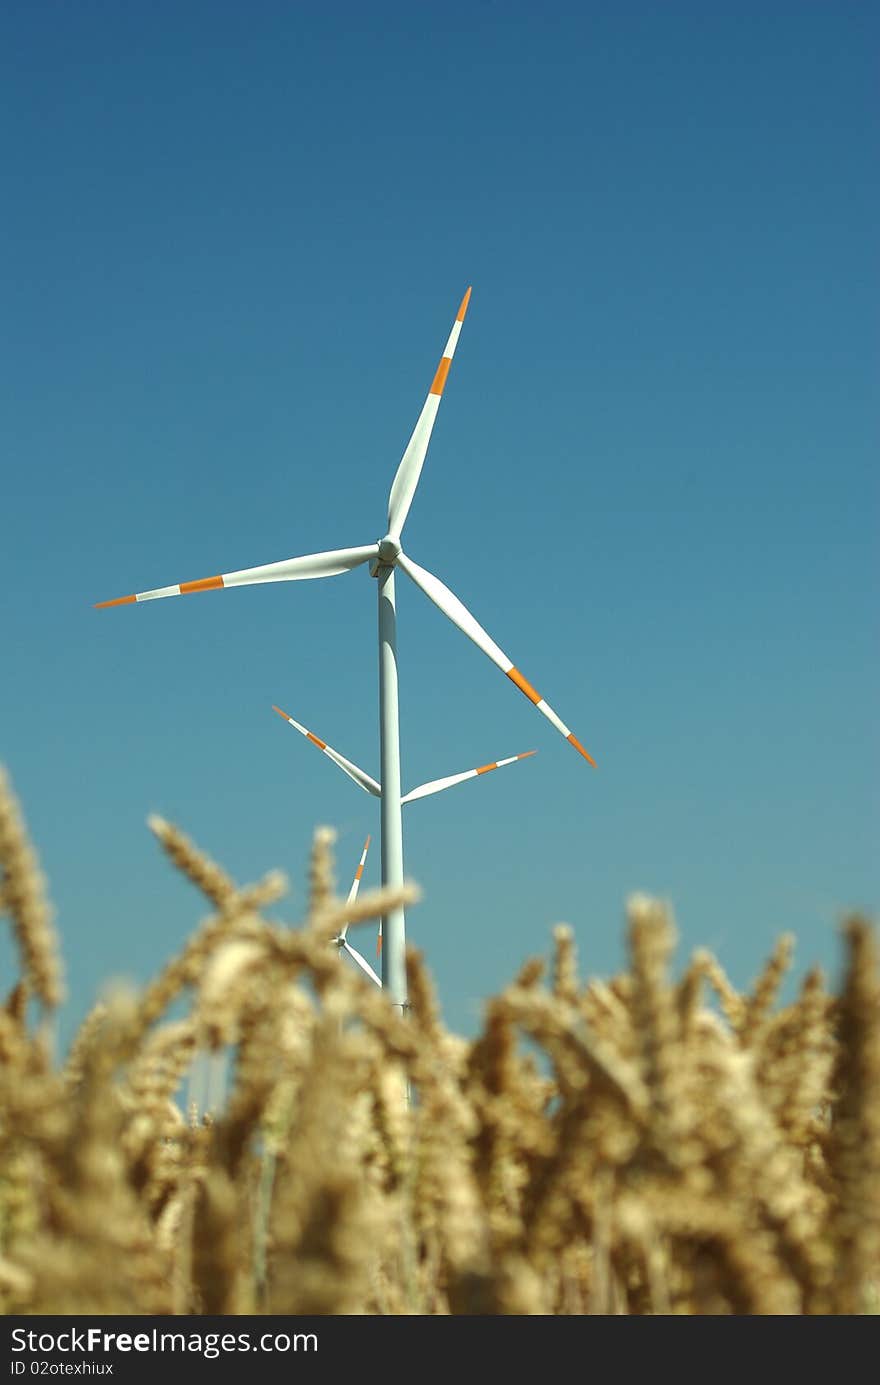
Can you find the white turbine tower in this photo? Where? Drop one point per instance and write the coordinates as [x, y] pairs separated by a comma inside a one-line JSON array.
[[384, 556]]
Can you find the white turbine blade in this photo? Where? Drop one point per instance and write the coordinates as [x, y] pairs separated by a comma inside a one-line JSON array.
[[459, 614], [353, 771], [438, 785], [406, 479], [361, 961], [356, 883], [328, 564]]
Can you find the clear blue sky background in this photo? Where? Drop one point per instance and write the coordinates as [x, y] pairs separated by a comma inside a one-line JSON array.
[[234, 240]]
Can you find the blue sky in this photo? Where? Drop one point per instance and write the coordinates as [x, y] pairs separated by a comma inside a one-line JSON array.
[[235, 238]]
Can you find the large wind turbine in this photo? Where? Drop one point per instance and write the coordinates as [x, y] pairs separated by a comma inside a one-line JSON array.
[[384, 557]]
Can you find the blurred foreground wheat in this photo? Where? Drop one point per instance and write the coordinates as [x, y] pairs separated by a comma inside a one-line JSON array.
[[636, 1154]]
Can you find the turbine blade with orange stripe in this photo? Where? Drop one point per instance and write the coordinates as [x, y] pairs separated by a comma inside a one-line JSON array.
[[459, 614], [437, 785], [406, 479], [355, 884], [329, 564], [353, 771]]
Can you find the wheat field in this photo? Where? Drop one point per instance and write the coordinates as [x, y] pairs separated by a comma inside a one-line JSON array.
[[651, 1144]]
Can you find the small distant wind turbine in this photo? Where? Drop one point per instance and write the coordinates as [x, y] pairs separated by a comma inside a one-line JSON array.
[[384, 556], [371, 786], [340, 940]]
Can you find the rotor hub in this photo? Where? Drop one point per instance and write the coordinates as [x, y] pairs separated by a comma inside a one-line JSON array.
[[389, 550]]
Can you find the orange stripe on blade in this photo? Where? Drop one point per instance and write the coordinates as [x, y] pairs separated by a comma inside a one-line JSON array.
[[440, 377], [484, 769], [577, 745], [523, 684], [205, 584], [118, 601], [464, 306], [359, 872], [322, 745]]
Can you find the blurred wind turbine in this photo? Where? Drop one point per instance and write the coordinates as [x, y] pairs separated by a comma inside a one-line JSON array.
[[371, 786], [383, 557]]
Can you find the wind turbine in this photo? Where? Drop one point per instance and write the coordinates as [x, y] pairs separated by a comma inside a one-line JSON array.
[[369, 784], [384, 557], [366, 781], [340, 940]]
